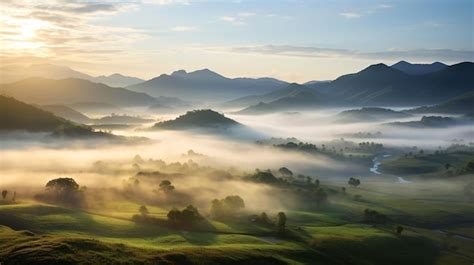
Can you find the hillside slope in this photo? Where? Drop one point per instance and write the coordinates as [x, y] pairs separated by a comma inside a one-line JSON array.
[[67, 113], [459, 105], [67, 91]]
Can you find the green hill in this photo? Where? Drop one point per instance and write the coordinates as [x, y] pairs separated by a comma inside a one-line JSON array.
[[16, 115], [198, 119]]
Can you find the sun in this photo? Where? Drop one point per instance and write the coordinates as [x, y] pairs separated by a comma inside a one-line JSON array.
[[22, 33]]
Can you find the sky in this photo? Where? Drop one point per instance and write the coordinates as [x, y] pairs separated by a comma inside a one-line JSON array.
[[291, 40]]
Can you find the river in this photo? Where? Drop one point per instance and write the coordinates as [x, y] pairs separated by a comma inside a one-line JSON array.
[[375, 169]]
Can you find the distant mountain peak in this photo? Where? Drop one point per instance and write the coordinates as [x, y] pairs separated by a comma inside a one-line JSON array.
[[179, 72], [418, 69], [376, 68], [206, 73]]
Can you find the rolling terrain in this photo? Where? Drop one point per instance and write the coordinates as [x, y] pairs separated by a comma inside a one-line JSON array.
[[69, 91]]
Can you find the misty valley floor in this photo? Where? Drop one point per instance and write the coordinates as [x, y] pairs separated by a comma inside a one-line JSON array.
[[363, 186]]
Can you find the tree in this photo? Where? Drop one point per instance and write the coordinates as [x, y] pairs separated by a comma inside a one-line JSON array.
[[285, 172], [4, 194], [62, 185], [143, 210], [281, 223], [263, 177], [316, 183], [264, 218], [189, 216], [354, 182], [165, 186], [227, 207], [234, 202], [63, 191], [374, 217], [399, 229], [174, 216]]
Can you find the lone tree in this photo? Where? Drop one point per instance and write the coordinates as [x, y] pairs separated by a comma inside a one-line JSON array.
[[354, 182], [281, 223], [63, 191], [166, 186], [4, 194], [143, 210]]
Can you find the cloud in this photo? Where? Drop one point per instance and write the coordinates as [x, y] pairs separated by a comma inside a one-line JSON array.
[[183, 28], [232, 20], [350, 15], [362, 12], [384, 6], [246, 14], [62, 28], [449, 55], [167, 2], [294, 51], [228, 18]]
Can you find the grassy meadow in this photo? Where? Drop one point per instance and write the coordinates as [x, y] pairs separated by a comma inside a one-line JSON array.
[[35, 233]]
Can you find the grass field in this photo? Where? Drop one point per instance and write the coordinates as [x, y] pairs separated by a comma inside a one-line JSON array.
[[427, 165], [35, 233]]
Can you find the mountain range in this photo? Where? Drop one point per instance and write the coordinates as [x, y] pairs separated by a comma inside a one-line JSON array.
[[402, 84], [68, 91], [381, 85], [206, 86], [13, 73]]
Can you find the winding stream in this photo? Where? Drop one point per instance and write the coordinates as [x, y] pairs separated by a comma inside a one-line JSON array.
[[375, 167]]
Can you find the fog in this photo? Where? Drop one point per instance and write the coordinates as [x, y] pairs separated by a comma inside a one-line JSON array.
[[29, 160]]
